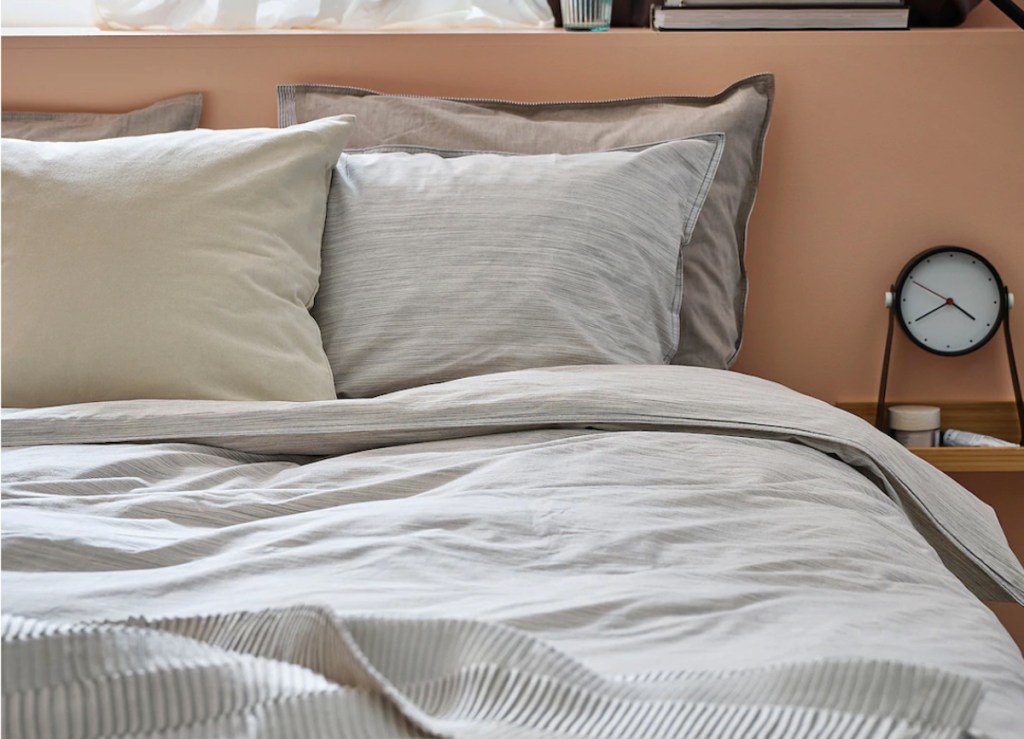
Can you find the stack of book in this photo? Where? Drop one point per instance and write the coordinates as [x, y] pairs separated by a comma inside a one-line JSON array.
[[744, 15]]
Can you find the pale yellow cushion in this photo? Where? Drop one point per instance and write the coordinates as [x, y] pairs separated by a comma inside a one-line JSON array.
[[177, 265]]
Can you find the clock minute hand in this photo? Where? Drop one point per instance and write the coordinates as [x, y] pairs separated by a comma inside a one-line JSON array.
[[930, 312]]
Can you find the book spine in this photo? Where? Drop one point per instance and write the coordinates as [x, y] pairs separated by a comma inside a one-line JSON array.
[[791, 4], [777, 18]]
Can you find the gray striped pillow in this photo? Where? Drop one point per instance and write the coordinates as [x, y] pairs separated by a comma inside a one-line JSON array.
[[438, 265]]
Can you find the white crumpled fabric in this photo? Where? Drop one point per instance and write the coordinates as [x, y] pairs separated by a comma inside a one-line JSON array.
[[198, 15]]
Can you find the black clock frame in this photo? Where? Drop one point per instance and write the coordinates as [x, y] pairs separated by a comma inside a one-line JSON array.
[[901, 283], [1004, 319]]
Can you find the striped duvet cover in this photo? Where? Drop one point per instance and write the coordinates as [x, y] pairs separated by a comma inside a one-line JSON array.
[[587, 551]]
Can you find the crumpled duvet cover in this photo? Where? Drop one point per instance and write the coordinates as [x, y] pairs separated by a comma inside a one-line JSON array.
[[655, 533]]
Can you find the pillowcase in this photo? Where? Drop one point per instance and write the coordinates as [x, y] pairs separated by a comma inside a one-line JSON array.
[[439, 265], [715, 278], [177, 265], [174, 114]]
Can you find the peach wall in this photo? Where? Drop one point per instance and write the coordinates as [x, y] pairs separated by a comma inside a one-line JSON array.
[[882, 144]]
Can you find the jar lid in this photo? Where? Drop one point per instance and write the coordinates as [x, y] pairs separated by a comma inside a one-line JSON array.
[[914, 417]]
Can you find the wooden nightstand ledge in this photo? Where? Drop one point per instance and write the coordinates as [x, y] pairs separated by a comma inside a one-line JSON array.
[[992, 419]]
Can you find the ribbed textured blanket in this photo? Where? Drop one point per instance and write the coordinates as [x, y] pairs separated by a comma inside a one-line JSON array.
[[305, 672]]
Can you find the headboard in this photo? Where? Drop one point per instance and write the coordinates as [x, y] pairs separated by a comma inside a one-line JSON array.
[[882, 144]]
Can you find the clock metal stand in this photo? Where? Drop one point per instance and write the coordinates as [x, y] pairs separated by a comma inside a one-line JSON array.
[[880, 414], [1012, 11]]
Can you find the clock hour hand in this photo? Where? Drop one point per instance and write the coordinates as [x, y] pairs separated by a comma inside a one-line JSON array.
[[930, 312]]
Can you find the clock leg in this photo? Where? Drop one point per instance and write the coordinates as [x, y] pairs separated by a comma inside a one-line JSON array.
[[1012, 11], [1013, 366], [880, 419]]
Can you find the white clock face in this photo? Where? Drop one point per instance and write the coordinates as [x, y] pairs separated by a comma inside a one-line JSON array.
[[950, 302]]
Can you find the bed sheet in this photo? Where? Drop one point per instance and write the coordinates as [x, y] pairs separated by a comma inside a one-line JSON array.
[[641, 520]]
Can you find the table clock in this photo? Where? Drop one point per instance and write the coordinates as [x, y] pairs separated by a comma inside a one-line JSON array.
[[949, 301]]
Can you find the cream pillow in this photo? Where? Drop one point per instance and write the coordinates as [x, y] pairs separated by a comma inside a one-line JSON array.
[[177, 265]]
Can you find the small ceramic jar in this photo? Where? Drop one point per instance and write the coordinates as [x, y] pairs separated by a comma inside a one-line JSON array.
[[915, 425]]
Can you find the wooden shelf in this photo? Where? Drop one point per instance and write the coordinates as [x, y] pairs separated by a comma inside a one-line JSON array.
[[973, 459], [993, 419]]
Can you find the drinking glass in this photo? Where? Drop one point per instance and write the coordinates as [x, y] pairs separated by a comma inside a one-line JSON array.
[[586, 15]]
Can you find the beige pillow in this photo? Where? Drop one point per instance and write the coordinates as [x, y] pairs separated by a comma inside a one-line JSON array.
[[714, 275], [177, 265], [174, 114]]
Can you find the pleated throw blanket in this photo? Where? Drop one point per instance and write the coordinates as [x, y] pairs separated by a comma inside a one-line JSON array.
[[309, 672]]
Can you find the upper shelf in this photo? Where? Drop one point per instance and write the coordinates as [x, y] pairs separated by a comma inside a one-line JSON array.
[[986, 20]]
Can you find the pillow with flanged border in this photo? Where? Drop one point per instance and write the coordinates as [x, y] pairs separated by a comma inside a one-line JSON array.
[[180, 113], [714, 271]]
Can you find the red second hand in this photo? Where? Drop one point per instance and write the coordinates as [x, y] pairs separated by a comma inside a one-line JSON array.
[[948, 300]]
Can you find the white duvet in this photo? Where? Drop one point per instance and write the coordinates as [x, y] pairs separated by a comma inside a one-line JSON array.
[[640, 520]]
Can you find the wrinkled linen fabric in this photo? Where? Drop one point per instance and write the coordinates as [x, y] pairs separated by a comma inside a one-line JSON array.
[[640, 520], [394, 15]]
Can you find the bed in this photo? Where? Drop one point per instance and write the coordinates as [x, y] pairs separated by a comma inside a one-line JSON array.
[[565, 530]]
